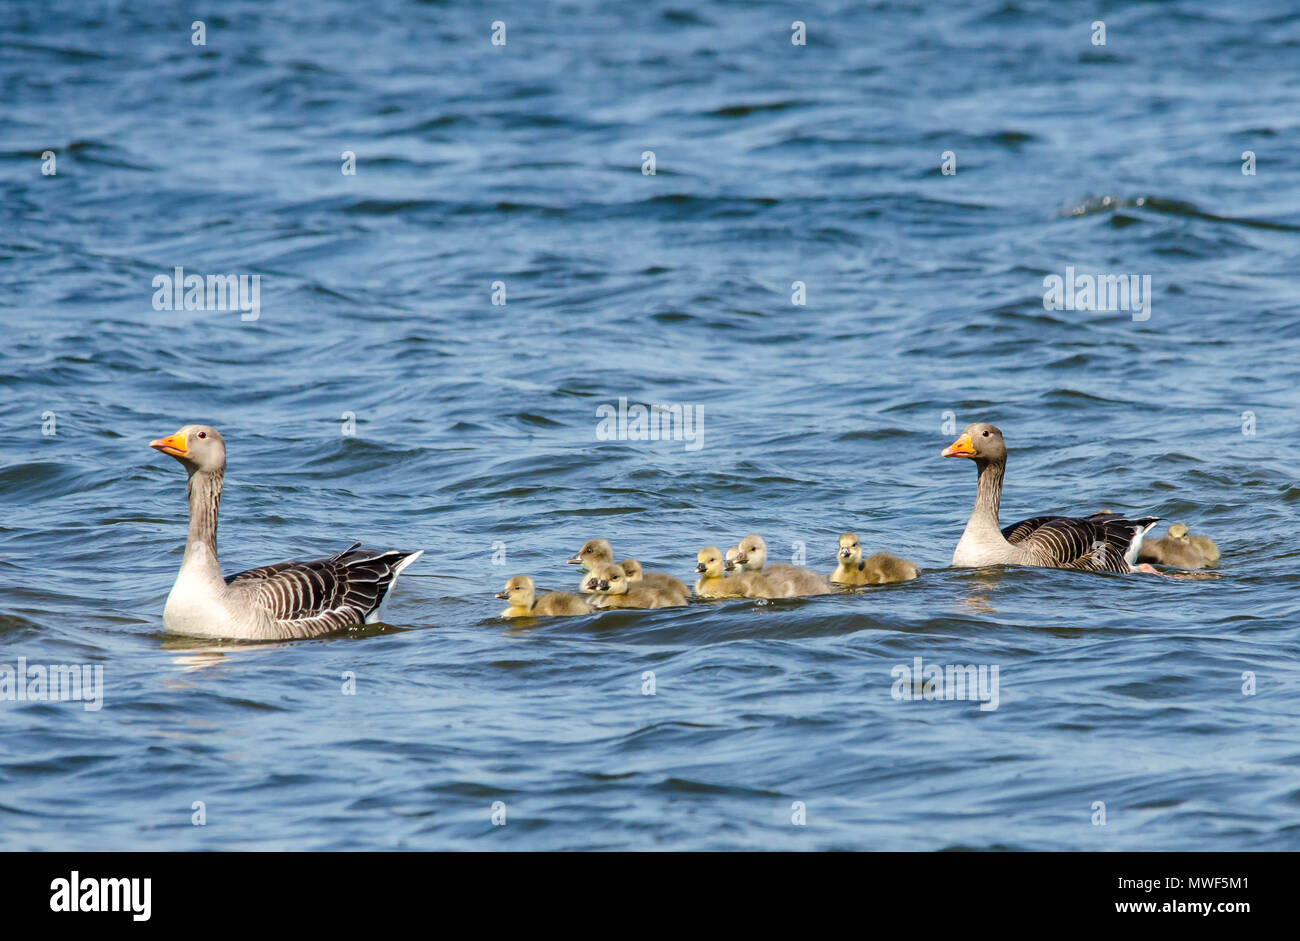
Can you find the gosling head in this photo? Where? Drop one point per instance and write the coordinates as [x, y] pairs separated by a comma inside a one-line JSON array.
[[632, 569], [1178, 531], [708, 562], [980, 442], [594, 552], [753, 554], [613, 580], [729, 560], [519, 591], [198, 447], [850, 549]]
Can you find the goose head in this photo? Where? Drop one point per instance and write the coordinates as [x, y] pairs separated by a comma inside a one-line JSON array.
[[1178, 531], [709, 562], [729, 560], [613, 580], [632, 569], [519, 591], [198, 447], [594, 552], [752, 555], [850, 549], [981, 442]]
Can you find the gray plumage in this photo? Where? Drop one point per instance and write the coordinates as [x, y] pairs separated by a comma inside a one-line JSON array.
[[274, 602], [306, 599], [1103, 542]]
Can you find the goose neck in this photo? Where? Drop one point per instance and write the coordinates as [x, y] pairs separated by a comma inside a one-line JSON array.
[[205, 498], [988, 492]]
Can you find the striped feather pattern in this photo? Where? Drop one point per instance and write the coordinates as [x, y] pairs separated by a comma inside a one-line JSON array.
[[1102, 543], [306, 599]]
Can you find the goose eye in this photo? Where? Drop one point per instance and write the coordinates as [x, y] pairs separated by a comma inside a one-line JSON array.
[[203, 434], [986, 434]]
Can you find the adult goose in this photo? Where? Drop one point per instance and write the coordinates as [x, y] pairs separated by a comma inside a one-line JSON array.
[[1099, 543], [283, 601]]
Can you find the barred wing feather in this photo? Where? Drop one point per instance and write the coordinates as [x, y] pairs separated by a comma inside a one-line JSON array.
[[1102, 543], [306, 599]]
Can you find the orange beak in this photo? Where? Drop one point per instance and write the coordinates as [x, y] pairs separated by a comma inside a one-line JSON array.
[[962, 447], [172, 444]]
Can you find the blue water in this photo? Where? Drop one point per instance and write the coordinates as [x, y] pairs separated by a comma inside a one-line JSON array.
[[475, 424]]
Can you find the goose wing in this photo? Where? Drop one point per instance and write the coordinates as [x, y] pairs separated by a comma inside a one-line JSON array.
[[1016, 532], [305, 599], [1101, 543]]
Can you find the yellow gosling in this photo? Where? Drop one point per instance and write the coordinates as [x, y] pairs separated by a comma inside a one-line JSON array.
[[638, 577], [524, 603], [790, 581], [614, 591], [713, 584], [879, 569]]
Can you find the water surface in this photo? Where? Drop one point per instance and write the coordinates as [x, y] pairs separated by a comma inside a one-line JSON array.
[[475, 424]]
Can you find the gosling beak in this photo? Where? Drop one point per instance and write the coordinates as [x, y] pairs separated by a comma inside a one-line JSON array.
[[604, 585], [962, 447], [742, 559], [503, 594], [729, 566], [700, 567], [845, 553], [172, 444], [576, 560], [593, 584]]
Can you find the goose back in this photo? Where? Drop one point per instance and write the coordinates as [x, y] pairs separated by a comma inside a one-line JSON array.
[[309, 598]]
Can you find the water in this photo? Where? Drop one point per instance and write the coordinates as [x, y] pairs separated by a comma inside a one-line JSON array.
[[475, 424]]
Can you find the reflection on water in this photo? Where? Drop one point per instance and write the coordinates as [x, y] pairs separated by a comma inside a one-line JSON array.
[[981, 587]]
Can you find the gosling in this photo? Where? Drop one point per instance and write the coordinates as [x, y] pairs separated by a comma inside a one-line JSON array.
[[614, 591], [729, 560], [638, 577], [879, 569], [790, 581], [597, 552], [1179, 549], [713, 584], [524, 603]]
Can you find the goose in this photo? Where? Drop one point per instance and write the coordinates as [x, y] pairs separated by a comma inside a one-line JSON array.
[[615, 591], [1180, 549], [597, 552], [1099, 543], [713, 584], [1208, 549], [729, 559], [275, 602], [790, 580], [524, 603], [878, 569], [638, 577]]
